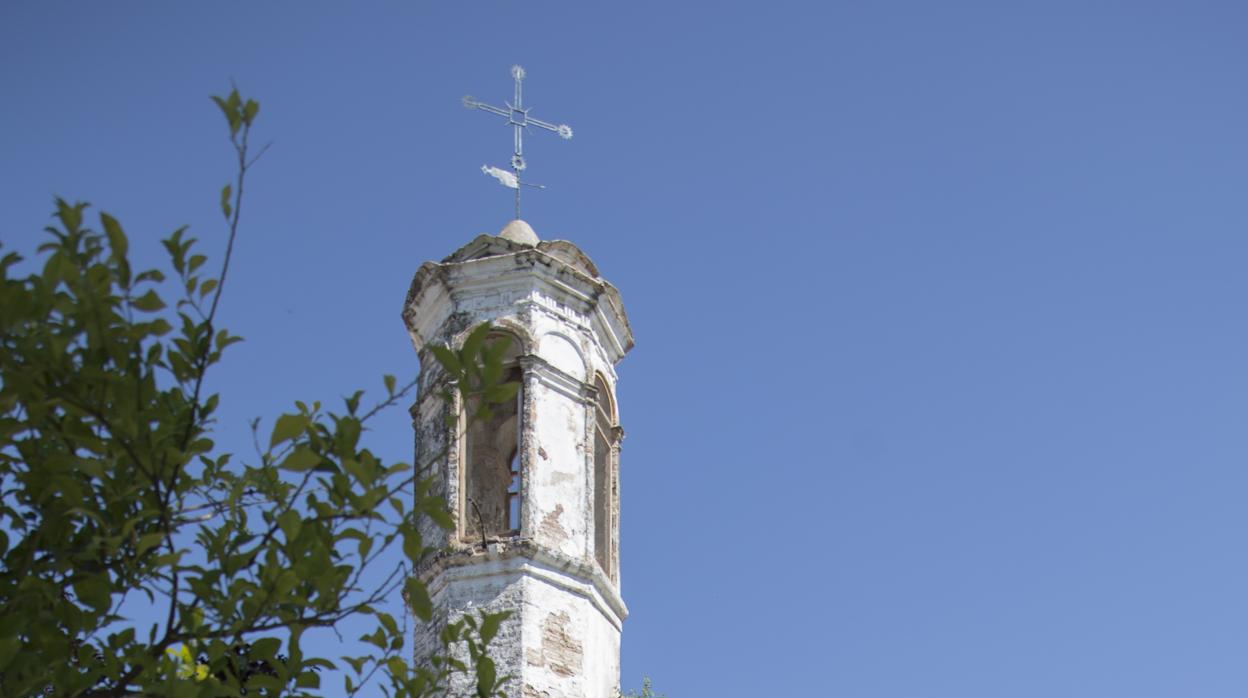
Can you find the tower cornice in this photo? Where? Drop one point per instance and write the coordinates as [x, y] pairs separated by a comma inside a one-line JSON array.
[[521, 556], [495, 270]]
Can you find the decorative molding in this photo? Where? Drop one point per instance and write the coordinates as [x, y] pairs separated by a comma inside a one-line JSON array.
[[507, 279], [523, 557], [554, 378]]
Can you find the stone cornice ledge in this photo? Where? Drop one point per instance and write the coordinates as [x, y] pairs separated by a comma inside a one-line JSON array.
[[518, 556], [554, 378]]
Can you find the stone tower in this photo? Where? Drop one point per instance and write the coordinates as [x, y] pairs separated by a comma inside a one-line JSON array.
[[535, 490]]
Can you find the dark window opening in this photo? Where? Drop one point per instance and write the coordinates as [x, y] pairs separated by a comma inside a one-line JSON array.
[[490, 504]]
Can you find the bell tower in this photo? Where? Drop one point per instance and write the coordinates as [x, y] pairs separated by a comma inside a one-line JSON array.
[[533, 490]]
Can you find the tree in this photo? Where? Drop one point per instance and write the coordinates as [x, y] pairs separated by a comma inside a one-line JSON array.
[[112, 490]]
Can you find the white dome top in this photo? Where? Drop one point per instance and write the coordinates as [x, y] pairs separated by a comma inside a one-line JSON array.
[[519, 232]]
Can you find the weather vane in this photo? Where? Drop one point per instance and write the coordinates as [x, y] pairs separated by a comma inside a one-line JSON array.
[[518, 116]]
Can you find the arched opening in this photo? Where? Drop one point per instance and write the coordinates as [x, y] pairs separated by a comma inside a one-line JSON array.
[[491, 484], [604, 476]]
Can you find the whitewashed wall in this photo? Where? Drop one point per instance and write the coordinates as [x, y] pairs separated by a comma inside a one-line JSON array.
[[563, 639]]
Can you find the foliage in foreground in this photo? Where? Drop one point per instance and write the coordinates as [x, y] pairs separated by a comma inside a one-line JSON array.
[[647, 691], [113, 494]]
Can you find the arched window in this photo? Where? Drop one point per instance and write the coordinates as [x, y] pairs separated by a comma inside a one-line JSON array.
[[604, 476], [490, 505]]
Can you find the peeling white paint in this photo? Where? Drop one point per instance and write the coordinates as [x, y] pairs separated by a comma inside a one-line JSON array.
[[563, 639]]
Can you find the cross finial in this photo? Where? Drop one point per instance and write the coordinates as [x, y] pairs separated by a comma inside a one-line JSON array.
[[518, 118]]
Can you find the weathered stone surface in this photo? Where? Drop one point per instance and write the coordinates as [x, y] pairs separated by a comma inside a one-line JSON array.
[[558, 570]]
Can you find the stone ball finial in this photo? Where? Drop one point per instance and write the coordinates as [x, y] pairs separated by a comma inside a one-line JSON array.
[[519, 232]]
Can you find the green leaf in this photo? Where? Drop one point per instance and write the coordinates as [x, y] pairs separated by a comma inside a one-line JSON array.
[[502, 393], [286, 581], [389, 381], [387, 620], [472, 346], [365, 547], [399, 668], [396, 502], [71, 216], [300, 459], [490, 624], [353, 402], [147, 542], [497, 347], [413, 546], [116, 237], [225, 109], [418, 598], [290, 522], [265, 649], [207, 287], [93, 590], [357, 663], [159, 327], [376, 638], [441, 517], [225, 339], [229, 107], [225, 201], [486, 674], [288, 427], [148, 302], [250, 110], [8, 649], [449, 361], [491, 372]]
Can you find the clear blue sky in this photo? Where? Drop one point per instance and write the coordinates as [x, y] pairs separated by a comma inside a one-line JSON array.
[[941, 382]]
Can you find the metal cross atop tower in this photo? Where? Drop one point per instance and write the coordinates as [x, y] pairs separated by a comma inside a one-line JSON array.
[[518, 116]]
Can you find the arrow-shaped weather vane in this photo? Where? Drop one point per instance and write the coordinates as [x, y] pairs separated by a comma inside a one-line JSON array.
[[517, 116]]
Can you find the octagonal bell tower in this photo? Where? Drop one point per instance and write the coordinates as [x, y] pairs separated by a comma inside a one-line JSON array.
[[534, 491]]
